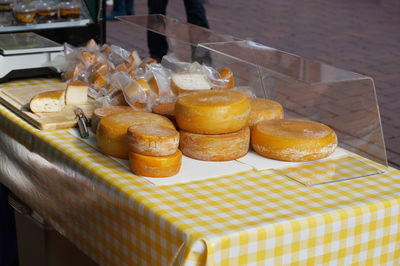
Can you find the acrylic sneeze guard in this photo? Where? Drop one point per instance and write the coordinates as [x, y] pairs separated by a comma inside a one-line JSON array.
[[307, 89]]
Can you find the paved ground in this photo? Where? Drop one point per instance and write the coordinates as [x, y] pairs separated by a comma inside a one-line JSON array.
[[358, 35]]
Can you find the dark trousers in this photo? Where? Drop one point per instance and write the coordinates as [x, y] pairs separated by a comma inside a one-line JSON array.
[[195, 14], [123, 8]]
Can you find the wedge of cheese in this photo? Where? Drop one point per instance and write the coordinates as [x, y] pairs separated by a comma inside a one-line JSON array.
[[111, 131], [218, 147], [155, 166], [48, 102], [293, 140], [212, 111], [152, 140]]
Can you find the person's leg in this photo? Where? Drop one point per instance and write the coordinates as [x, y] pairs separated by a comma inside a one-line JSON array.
[[157, 44], [130, 7], [119, 9], [195, 13]]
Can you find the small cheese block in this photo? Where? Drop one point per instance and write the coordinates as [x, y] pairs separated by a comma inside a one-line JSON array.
[[111, 131], [218, 147], [227, 75], [98, 80], [152, 140], [137, 89], [212, 111], [76, 92], [293, 140], [48, 102], [189, 81], [165, 109], [100, 113], [264, 109], [153, 166]]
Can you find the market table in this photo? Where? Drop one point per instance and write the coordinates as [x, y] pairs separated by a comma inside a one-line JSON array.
[[252, 217]]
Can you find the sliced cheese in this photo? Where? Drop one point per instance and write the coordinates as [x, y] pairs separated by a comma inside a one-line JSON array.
[[152, 140], [111, 131], [152, 166], [264, 109], [293, 140], [189, 81], [218, 147], [212, 111], [102, 112]]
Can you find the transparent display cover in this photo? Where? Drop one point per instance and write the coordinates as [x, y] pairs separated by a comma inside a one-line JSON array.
[[307, 89]]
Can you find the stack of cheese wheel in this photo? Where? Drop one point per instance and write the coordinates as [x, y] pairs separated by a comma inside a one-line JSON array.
[[293, 140], [213, 124], [153, 150], [111, 130]]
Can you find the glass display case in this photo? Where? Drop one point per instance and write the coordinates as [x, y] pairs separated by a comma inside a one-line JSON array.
[[307, 89], [72, 21]]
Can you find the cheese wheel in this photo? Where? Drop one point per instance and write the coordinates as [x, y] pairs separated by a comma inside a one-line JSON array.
[[111, 131], [212, 111], [293, 140], [152, 140], [264, 109], [153, 166], [165, 109], [102, 112], [217, 147]]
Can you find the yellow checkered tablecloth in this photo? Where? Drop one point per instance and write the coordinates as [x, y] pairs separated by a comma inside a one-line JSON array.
[[253, 218]]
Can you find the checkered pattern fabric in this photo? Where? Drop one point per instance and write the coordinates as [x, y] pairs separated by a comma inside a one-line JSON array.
[[253, 217]]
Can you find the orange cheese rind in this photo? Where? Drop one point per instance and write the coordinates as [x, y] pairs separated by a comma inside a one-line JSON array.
[[111, 131], [155, 166], [226, 75], [212, 111], [264, 109], [293, 140], [217, 147], [152, 140]]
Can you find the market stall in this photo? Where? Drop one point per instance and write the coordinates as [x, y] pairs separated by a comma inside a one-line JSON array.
[[342, 209]]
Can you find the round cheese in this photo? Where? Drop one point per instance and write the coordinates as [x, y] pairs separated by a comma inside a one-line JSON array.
[[102, 112], [152, 140], [111, 131], [264, 109], [218, 147], [155, 166], [293, 140], [165, 109], [212, 111]]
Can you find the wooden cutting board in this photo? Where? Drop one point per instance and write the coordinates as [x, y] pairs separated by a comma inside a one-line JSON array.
[[17, 99]]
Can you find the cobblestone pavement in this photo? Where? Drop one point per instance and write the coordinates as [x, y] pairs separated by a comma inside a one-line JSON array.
[[362, 36]]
